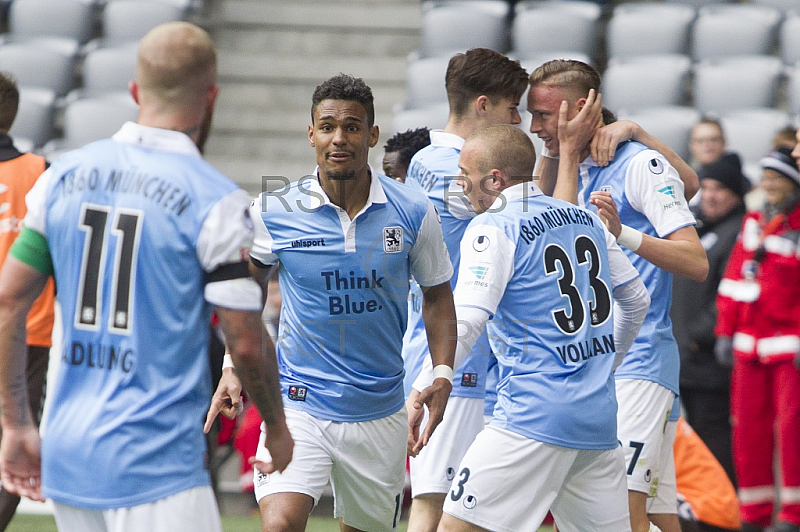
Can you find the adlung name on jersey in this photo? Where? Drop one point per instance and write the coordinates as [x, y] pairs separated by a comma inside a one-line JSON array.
[[130, 181], [553, 218], [586, 349], [99, 356], [337, 281]]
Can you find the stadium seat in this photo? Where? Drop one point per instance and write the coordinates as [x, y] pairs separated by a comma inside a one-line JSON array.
[[433, 117], [569, 25], [70, 19], [90, 119], [749, 132], [34, 120], [452, 26], [645, 81], [699, 3], [783, 5], [793, 89], [425, 82], [671, 125], [736, 82], [737, 29], [631, 30], [130, 20], [789, 38], [44, 63], [108, 69]]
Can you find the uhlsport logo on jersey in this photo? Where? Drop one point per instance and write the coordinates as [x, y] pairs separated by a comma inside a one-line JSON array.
[[656, 166], [668, 195], [392, 239], [478, 278], [481, 243]]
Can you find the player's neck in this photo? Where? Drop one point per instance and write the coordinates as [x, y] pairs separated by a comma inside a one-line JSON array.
[[349, 195], [460, 127]]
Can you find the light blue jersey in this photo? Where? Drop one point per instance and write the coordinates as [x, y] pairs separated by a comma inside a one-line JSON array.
[[345, 285], [543, 269], [649, 198], [136, 226], [433, 169]]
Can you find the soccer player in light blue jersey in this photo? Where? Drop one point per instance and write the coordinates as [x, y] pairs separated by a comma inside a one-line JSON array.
[[542, 276], [483, 88], [144, 240], [346, 241], [660, 240]]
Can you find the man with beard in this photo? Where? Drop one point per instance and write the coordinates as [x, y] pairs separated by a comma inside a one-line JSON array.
[[144, 240], [346, 241]]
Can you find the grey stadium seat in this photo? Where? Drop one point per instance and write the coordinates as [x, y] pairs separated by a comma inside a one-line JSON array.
[[130, 20], [649, 28], [736, 82], [789, 38], [108, 69], [671, 125], [91, 119], [554, 25], [425, 82], [71, 19], [433, 117], [736, 29], [452, 26], [34, 120], [749, 132], [40, 63], [793, 88], [645, 81]]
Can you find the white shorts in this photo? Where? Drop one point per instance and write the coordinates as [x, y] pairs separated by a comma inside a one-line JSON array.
[[193, 509], [642, 421], [507, 482], [435, 467], [365, 463], [666, 499]]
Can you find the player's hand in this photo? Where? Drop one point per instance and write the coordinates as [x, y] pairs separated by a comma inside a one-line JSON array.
[[21, 462], [576, 134], [607, 211], [607, 138], [227, 400], [415, 416], [280, 445], [435, 398], [723, 351]]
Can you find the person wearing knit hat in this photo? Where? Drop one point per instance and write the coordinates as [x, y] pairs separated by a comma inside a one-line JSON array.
[[758, 328], [704, 383]]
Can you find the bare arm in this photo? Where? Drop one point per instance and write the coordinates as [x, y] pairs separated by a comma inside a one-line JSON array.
[[253, 352], [604, 146], [679, 252], [439, 315], [20, 453]]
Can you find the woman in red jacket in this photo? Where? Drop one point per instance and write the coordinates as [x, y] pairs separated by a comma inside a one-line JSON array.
[[758, 329]]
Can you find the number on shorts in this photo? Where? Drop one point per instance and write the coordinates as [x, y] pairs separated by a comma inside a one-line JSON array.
[[600, 308], [638, 446], [455, 495], [126, 228]]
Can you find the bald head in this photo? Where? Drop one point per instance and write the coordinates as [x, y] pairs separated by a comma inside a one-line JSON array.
[[505, 148], [177, 64]]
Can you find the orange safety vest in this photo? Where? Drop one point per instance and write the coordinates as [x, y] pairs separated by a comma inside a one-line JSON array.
[[17, 177], [702, 482]]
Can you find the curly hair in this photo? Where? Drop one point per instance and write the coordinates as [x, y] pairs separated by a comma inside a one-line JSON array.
[[9, 101], [345, 87], [408, 143]]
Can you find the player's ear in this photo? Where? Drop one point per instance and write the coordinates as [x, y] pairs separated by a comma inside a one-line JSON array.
[[311, 135], [579, 105], [481, 105], [133, 88], [374, 135]]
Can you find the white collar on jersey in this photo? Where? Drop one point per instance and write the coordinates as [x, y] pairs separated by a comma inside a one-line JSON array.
[[447, 140], [156, 138], [376, 193], [526, 189]]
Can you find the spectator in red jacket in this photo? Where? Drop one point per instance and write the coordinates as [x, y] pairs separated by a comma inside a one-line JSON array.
[[759, 334]]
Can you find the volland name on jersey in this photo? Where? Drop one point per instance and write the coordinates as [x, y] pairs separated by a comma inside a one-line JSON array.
[[584, 350]]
